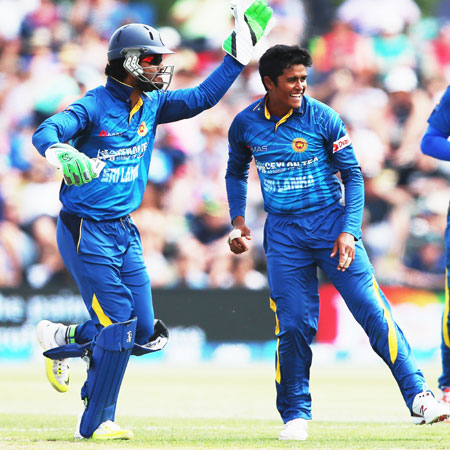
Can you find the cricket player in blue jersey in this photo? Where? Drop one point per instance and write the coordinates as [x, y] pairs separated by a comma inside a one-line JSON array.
[[435, 143], [299, 144], [102, 144]]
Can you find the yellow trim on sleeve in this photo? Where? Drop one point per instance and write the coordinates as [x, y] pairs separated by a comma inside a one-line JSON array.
[[273, 307], [102, 317], [445, 334], [392, 334], [257, 106], [135, 109]]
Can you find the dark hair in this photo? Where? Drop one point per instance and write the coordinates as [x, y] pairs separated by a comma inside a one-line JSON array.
[[116, 70], [280, 57]]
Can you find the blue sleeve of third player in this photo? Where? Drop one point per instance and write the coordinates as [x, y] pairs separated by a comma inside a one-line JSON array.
[[435, 140], [440, 116], [239, 157], [185, 103], [435, 143]]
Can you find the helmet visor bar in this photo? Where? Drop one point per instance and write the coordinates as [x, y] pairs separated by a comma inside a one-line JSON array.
[[158, 76], [161, 78]]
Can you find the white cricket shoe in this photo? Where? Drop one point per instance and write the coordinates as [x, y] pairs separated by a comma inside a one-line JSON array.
[[106, 431], [427, 410], [445, 398], [57, 370], [295, 430]]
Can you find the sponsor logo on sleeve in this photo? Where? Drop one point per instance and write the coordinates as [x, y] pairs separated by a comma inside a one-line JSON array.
[[299, 145], [341, 143]]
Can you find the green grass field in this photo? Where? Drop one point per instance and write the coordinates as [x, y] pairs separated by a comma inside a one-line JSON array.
[[216, 407]]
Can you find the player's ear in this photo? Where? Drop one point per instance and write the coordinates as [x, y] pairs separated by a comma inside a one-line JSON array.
[[268, 83]]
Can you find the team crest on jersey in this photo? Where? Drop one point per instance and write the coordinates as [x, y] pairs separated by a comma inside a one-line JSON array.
[[142, 130], [341, 143], [299, 145]]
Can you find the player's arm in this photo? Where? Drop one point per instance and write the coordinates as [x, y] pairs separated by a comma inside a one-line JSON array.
[[50, 140], [345, 161], [251, 22], [236, 177], [435, 143], [435, 140]]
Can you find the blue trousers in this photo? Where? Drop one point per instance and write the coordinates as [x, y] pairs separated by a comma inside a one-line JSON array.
[[105, 259], [444, 379], [295, 247]]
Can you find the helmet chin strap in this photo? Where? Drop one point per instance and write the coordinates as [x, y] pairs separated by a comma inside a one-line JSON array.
[[131, 64]]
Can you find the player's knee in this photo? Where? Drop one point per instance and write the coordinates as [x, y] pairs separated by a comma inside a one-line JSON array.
[[290, 329], [296, 329]]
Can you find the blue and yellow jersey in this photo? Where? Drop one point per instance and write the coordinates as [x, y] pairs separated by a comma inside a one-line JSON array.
[[103, 125], [297, 158]]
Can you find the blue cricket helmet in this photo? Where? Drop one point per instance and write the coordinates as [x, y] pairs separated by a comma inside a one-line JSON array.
[[139, 37]]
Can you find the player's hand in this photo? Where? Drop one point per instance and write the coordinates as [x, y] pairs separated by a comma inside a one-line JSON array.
[[251, 23], [345, 245], [77, 168], [237, 235]]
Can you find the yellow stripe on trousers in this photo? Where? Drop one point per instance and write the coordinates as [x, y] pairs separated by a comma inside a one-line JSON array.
[[392, 334], [273, 307], [445, 335], [102, 317]]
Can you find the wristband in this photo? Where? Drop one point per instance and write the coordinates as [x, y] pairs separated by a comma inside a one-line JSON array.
[[236, 233]]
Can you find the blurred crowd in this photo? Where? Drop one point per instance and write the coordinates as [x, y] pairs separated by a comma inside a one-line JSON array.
[[383, 76]]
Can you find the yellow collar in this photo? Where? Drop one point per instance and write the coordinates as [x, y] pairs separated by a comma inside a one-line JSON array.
[[268, 116]]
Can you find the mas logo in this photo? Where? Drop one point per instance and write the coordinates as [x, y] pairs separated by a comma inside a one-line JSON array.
[[142, 130], [299, 145]]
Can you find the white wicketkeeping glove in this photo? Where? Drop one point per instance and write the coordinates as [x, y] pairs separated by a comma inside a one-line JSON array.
[[77, 168], [251, 23]]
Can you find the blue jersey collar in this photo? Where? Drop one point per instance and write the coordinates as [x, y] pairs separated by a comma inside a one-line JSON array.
[[120, 90]]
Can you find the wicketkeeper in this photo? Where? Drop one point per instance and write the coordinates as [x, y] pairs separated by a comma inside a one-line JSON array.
[[102, 144]]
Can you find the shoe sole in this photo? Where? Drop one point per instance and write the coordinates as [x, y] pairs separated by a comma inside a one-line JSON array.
[[293, 438], [40, 327], [422, 421], [51, 377], [113, 435]]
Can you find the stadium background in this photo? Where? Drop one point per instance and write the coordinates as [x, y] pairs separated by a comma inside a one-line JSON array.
[[383, 77]]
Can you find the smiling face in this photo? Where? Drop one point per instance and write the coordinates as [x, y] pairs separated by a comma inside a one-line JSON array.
[[288, 92]]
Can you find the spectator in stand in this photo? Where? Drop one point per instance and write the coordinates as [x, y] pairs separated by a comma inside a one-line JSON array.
[[392, 47], [364, 15], [436, 54], [401, 123], [341, 47]]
